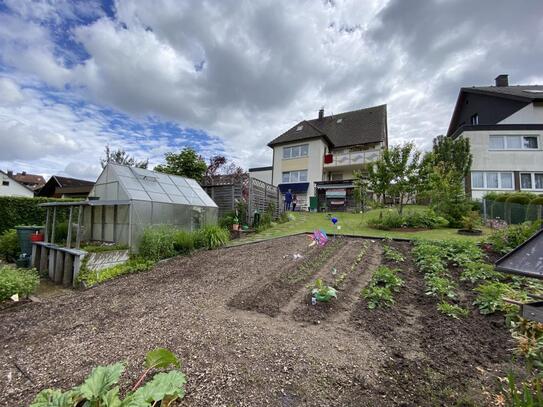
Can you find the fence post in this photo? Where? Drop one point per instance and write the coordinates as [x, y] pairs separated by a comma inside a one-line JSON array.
[[250, 202], [484, 209]]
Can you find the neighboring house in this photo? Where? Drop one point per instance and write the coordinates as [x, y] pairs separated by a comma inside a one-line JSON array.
[[10, 187], [505, 126], [262, 173], [317, 158], [63, 187], [32, 181]]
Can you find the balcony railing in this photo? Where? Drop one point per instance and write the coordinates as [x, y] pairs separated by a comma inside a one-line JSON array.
[[353, 158]]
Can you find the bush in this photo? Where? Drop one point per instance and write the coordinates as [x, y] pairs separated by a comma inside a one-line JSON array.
[[184, 242], [17, 281], [411, 219], [505, 240], [9, 245], [502, 197], [523, 198], [16, 211], [227, 221], [211, 237], [135, 265], [471, 220], [157, 242]]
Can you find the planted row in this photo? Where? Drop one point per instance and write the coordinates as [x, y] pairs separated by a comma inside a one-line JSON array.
[[340, 279]]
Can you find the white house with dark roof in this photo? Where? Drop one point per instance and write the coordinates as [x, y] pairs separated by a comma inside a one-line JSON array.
[[317, 157], [505, 126], [10, 187]]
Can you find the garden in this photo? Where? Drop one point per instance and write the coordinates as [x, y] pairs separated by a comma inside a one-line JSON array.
[[308, 319]]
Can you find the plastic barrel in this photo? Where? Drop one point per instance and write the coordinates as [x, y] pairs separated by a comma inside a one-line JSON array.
[[23, 234]]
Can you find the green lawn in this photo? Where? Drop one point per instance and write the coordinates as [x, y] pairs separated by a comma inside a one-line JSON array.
[[351, 224]]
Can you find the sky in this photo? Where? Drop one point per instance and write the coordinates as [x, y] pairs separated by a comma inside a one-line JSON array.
[[228, 76]]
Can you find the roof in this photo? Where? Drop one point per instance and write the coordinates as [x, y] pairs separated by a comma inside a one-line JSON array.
[[65, 182], [518, 92], [11, 177], [361, 126], [146, 185], [60, 185], [269, 168], [29, 179]]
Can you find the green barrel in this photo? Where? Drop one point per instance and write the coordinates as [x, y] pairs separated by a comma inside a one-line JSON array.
[[313, 203], [23, 234]]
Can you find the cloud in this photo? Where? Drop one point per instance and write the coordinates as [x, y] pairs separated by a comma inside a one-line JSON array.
[[230, 76]]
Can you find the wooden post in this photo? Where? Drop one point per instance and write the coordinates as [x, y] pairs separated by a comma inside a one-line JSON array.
[[47, 211], [53, 225], [69, 237], [77, 266], [68, 269], [43, 259], [92, 223], [51, 257], [78, 233], [115, 210], [103, 221], [59, 267], [130, 227]]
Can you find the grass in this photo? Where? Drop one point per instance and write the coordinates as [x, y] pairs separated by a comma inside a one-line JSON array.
[[351, 224]]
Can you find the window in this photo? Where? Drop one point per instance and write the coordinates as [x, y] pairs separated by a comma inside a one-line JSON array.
[[294, 176], [474, 119], [513, 142], [531, 180], [295, 151], [336, 176], [492, 180], [5, 183], [299, 128]]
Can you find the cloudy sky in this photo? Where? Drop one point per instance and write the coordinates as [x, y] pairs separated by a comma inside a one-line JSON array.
[[228, 76]]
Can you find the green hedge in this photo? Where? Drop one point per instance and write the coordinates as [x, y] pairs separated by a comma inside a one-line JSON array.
[[17, 211]]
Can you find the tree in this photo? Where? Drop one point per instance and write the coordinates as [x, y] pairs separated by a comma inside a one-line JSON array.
[[360, 192], [396, 173], [186, 163], [453, 154], [121, 157], [215, 163]]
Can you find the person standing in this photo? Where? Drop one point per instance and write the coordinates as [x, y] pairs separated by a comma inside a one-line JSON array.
[[288, 200], [294, 202]]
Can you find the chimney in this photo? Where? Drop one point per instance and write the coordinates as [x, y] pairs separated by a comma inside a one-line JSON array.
[[10, 173], [23, 173], [321, 113], [502, 80]]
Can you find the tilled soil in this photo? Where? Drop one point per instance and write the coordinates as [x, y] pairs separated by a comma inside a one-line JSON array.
[[407, 355]]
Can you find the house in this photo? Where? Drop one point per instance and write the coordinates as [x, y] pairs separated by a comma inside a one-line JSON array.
[[32, 181], [316, 158], [10, 187], [262, 173], [64, 187], [504, 125]]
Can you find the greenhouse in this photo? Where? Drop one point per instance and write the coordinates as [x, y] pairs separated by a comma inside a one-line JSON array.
[[123, 202]]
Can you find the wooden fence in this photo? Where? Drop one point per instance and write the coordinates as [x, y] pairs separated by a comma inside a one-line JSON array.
[[226, 191]]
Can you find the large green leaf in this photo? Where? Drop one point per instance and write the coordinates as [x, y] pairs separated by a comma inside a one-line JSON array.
[[161, 358], [100, 381], [53, 398], [111, 398], [168, 386]]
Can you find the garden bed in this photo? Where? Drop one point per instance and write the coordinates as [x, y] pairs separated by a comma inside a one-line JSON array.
[[242, 347]]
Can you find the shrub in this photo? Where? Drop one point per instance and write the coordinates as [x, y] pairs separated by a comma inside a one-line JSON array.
[[211, 237], [157, 242], [135, 265], [411, 219], [506, 239], [9, 245], [228, 220], [183, 242], [471, 220], [101, 387], [502, 197], [523, 198], [17, 281]]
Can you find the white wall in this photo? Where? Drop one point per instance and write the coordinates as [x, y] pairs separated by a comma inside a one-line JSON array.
[[313, 163], [529, 114], [265, 175], [14, 188]]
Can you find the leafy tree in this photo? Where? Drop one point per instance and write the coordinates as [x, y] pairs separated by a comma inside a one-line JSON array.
[[121, 157], [186, 163], [360, 192], [396, 173], [454, 154], [215, 163]]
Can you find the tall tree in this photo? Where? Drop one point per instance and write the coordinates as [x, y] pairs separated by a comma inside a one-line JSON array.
[[453, 154], [121, 157], [186, 163], [215, 163]]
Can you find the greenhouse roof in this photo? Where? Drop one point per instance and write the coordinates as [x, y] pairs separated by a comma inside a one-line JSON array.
[[146, 185]]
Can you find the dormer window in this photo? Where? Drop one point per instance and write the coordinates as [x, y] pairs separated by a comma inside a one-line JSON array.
[[299, 128], [474, 119], [338, 121]]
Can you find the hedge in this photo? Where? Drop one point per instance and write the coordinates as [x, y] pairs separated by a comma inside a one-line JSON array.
[[17, 211]]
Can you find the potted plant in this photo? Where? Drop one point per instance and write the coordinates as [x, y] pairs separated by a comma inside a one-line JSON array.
[[235, 223], [470, 222], [323, 292]]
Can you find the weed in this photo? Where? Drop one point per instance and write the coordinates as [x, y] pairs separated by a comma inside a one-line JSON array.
[[527, 394]]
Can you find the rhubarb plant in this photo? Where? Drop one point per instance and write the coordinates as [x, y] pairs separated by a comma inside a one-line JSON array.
[[101, 388]]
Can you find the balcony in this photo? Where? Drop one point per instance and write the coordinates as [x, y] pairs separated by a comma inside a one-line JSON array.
[[352, 158]]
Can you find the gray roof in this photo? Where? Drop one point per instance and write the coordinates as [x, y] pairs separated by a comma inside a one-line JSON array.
[[341, 130], [518, 92]]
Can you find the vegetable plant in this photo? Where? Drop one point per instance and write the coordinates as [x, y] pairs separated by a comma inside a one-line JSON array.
[[322, 292], [17, 281], [479, 271], [452, 310], [379, 291], [385, 276], [377, 296], [441, 287], [392, 254], [101, 388], [490, 298]]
